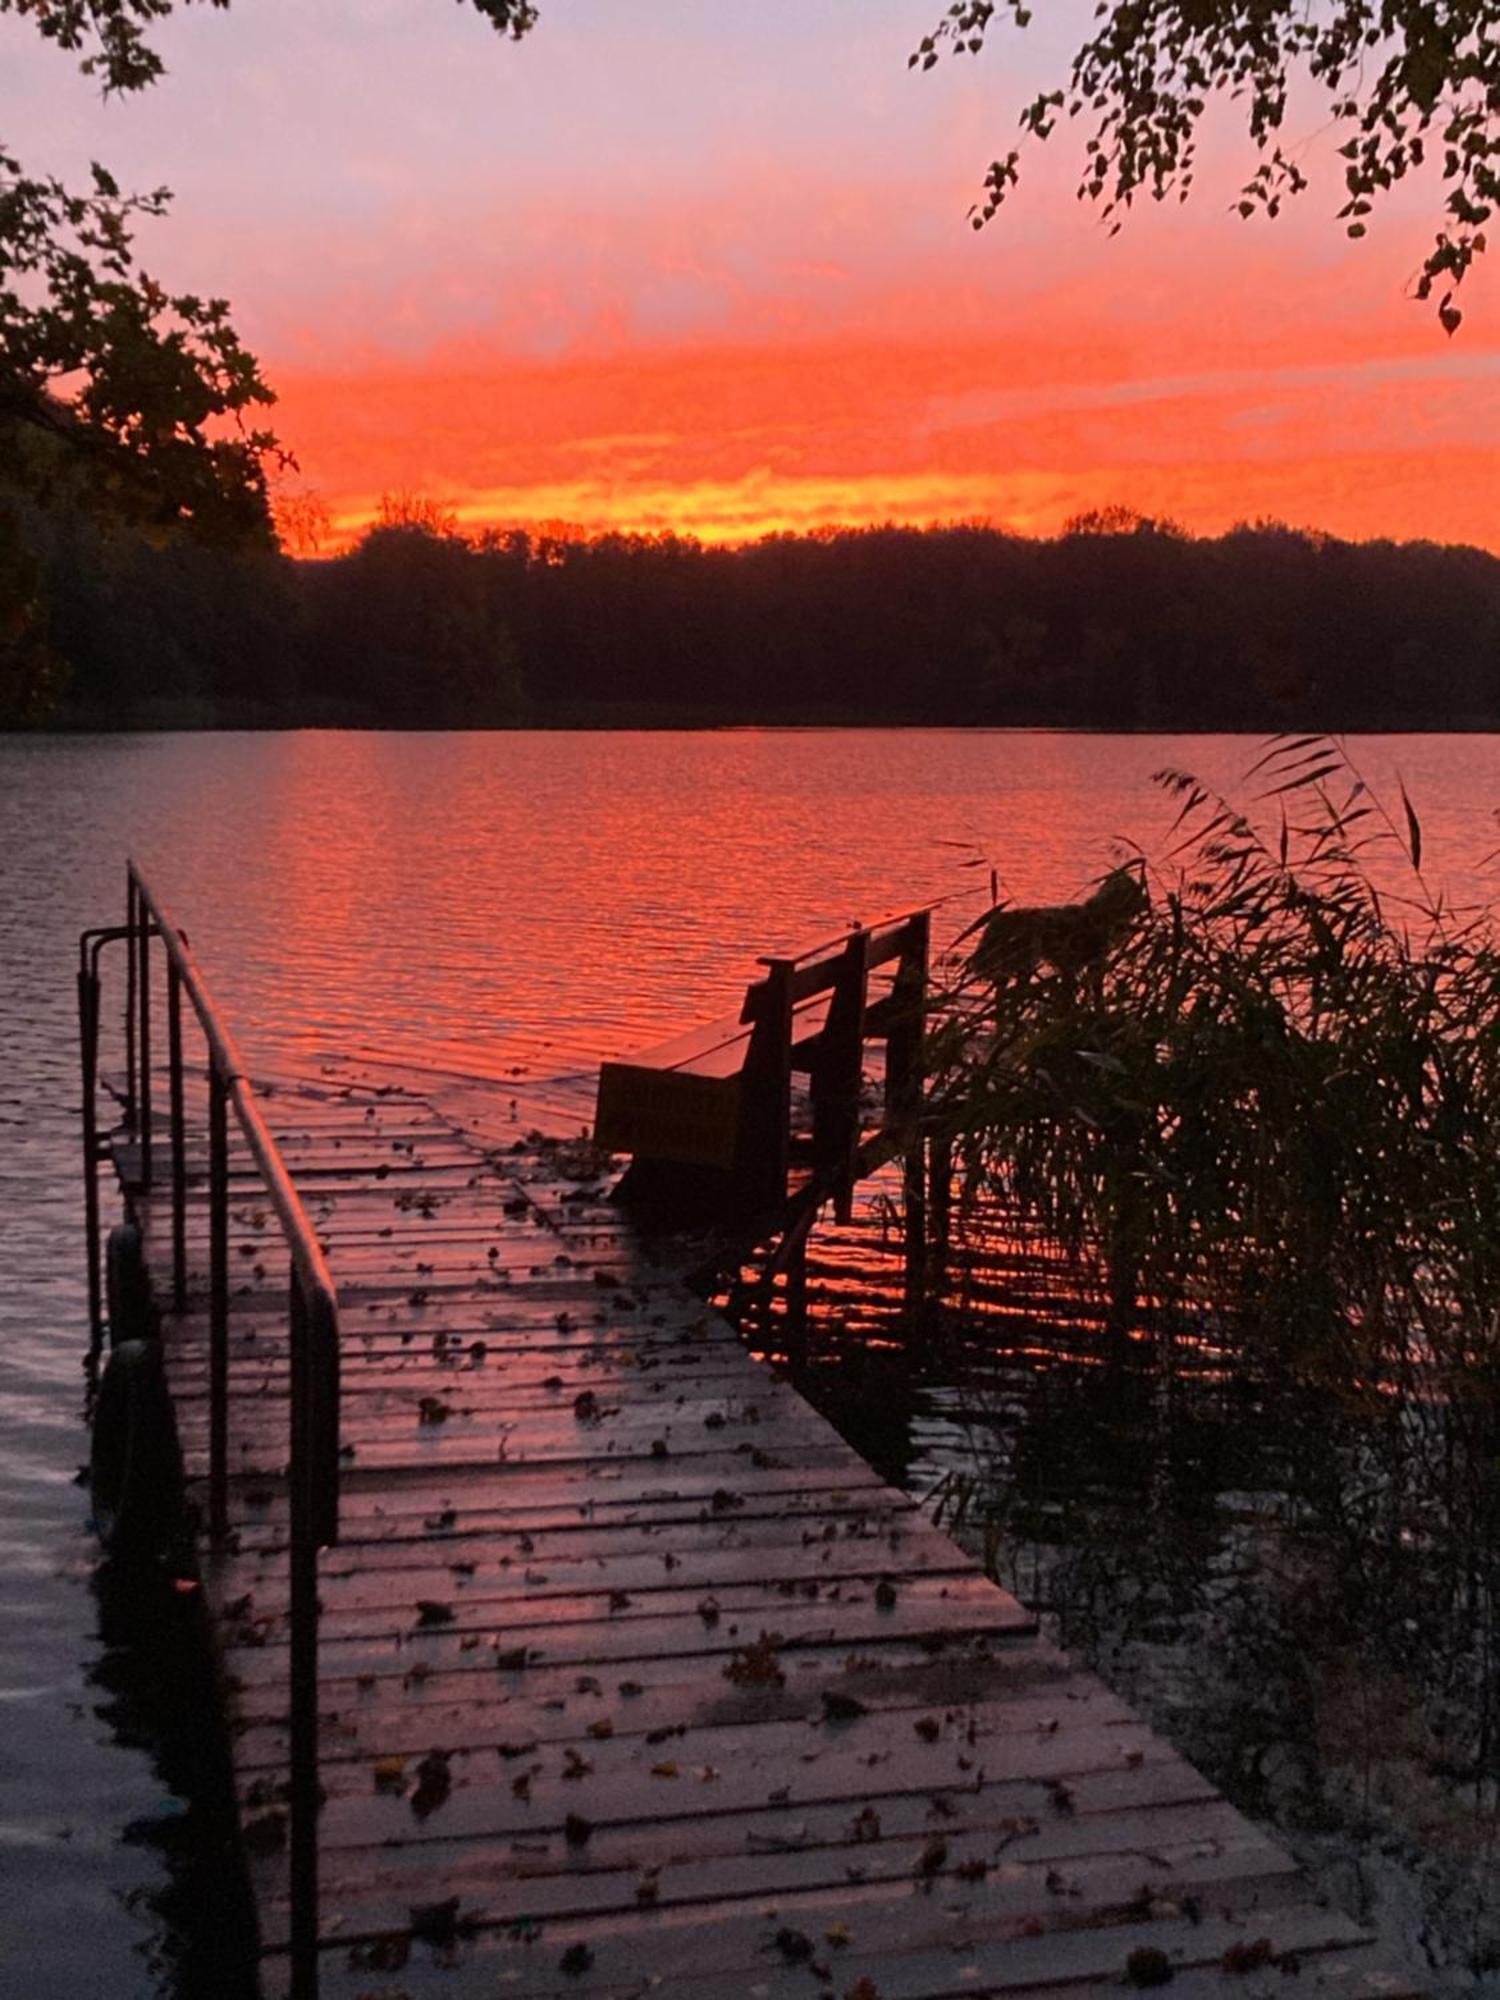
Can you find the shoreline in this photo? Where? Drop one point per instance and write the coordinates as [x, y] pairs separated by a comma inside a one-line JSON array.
[[175, 720]]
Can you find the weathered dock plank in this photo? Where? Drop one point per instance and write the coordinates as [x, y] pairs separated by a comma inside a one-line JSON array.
[[634, 1678]]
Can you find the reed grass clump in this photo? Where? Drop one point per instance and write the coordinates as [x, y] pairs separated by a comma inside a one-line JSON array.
[[1259, 1122]]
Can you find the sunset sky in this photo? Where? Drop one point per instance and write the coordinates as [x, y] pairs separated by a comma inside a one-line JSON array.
[[703, 265]]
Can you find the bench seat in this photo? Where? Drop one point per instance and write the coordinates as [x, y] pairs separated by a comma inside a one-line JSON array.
[[680, 1101]]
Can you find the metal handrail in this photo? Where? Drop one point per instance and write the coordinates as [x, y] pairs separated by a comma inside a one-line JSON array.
[[313, 1343], [228, 1063]]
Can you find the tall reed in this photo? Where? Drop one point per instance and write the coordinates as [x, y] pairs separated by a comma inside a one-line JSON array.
[[1261, 1123]]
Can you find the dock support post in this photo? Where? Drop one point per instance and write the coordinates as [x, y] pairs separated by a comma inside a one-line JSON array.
[[143, 1043], [794, 1306], [903, 1094], [179, 1140], [303, 1559], [132, 1080], [218, 1307], [312, 1480], [763, 1149], [837, 1076], [88, 1040]]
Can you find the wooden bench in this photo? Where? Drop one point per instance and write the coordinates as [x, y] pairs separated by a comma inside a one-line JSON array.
[[717, 1102]]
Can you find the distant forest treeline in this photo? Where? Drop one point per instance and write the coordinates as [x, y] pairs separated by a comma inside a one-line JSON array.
[[1120, 623]]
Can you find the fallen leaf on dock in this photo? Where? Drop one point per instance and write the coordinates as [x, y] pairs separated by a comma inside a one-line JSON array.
[[1147, 1966], [265, 1834], [434, 1783], [386, 1953], [758, 1664], [796, 1947], [1248, 1956], [435, 1923]]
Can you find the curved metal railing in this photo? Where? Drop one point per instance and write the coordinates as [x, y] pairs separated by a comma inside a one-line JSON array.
[[313, 1318]]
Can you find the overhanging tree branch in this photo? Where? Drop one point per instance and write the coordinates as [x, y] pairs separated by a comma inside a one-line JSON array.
[[1406, 81], [145, 396], [142, 399]]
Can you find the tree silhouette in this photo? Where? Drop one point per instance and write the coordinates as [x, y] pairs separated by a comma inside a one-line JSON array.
[[1121, 626], [409, 626]]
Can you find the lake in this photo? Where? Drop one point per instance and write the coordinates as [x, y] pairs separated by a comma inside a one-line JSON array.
[[433, 893]]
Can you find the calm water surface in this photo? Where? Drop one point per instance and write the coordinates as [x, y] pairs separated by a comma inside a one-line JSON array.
[[422, 892]]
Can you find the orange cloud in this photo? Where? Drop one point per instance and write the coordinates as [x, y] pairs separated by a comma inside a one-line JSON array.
[[732, 440]]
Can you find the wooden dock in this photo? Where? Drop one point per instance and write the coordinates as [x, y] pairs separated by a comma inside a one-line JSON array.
[[633, 1678]]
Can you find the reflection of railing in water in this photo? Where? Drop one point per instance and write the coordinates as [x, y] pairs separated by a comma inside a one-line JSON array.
[[313, 1466], [1014, 1374], [1000, 1285]]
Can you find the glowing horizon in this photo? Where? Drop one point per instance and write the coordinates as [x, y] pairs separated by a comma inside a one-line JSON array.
[[730, 442]]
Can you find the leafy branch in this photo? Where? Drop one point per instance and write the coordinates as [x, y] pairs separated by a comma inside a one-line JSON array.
[[111, 35], [1406, 80], [131, 397], [115, 393]]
